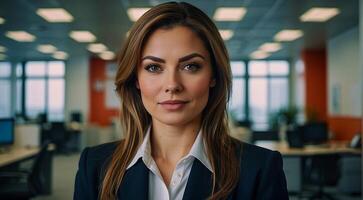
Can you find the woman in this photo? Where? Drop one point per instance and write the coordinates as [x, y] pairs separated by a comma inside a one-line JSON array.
[[174, 81]]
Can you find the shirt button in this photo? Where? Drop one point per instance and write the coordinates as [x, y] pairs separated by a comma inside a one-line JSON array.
[[179, 175]]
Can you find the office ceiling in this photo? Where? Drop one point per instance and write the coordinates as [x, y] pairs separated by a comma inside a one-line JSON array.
[[108, 21]]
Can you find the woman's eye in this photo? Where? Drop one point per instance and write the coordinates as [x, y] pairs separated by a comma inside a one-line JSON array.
[[153, 68], [192, 67]]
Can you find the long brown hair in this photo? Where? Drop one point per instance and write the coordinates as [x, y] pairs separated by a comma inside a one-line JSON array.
[[221, 148]]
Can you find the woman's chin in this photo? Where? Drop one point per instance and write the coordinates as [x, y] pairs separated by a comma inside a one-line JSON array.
[[175, 120]]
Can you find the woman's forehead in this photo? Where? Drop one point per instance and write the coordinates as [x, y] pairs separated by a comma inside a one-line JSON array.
[[177, 40]]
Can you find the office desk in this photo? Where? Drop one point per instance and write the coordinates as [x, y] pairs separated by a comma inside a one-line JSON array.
[[309, 150], [293, 158], [17, 154], [10, 159]]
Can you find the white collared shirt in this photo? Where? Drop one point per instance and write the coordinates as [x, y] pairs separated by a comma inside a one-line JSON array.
[[175, 191]]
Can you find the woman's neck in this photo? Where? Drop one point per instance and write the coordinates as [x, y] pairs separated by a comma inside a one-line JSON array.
[[171, 143]]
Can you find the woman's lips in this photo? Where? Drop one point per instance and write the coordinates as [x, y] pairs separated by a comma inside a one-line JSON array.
[[173, 105]]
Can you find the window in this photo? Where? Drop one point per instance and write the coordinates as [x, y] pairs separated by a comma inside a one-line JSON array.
[[237, 102], [258, 99], [45, 89], [35, 97], [56, 90], [19, 88], [5, 88], [268, 90], [300, 90], [259, 90]]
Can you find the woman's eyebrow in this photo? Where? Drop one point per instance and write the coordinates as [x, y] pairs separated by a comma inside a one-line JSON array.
[[153, 58], [182, 59], [190, 56]]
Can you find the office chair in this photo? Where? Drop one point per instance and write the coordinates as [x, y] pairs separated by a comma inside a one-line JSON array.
[[59, 136], [323, 170], [270, 135], [21, 185], [319, 170]]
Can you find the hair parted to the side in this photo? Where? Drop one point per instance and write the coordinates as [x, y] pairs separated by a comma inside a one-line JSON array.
[[221, 148]]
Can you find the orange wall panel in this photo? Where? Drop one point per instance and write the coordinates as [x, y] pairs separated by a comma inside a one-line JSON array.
[[316, 83], [344, 127], [99, 113], [316, 86]]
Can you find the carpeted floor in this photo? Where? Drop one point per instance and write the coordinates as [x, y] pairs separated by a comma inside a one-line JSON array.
[[64, 171]]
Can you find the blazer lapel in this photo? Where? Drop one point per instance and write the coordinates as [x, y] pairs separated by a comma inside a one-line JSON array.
[[135, 183], [199, 185]]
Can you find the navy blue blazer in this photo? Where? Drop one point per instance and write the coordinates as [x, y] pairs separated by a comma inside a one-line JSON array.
[[261, 176]]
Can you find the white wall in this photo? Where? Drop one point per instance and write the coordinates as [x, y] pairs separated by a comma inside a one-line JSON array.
[[298, 88], [345, 75], [77, 86]]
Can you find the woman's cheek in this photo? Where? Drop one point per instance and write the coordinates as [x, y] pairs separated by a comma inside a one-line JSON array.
[[201, 86], [148, 87]]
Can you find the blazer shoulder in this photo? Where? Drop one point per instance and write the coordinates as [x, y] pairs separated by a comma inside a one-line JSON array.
[[101, 151], [255, 160], [254, 154], [261, 174], [90, 167]]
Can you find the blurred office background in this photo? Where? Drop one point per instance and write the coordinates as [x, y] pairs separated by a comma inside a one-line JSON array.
[[297, 87]]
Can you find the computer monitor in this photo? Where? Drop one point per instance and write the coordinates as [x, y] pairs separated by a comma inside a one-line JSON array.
[[76, 117], [6, 131], [315, 133], [295, 137]]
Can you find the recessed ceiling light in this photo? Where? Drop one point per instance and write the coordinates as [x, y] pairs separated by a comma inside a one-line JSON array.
[[270, 47], [107, 55], [97, 47], [55, 15], [319, 14], [20, 36], [60, 55], [2, 20], [229, 14], [288, 35], [226, 34], [2, 56], [135, 13], [46, 48], [258, 54], [82, 36], [2, 49]]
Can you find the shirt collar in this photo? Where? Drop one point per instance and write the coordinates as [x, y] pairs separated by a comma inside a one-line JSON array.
[[197, 151], [144, 150]]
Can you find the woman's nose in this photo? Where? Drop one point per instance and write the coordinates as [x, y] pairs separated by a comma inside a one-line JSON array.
[[173, 89], [173, 83]]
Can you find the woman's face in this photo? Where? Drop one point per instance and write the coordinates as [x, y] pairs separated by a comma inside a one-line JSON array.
[[174, 76]]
